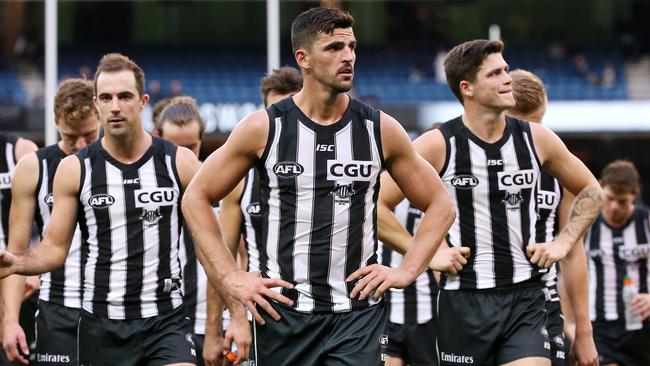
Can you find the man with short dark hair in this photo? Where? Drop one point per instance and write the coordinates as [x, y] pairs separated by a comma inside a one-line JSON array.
[[617, 248], [124, 190], [320, 154], [492, 310]]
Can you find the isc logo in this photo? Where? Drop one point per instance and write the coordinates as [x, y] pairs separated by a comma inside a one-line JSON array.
[[352, 170], [517, 180], [101, 200], [287, 169], [5, 180], [324, 147], [464, 181], [154, 197]]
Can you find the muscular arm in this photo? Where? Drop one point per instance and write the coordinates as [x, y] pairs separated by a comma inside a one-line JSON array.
[[422, 186], [577, 179], [52, 251], [24, 147], [574, 277], [21, 218]]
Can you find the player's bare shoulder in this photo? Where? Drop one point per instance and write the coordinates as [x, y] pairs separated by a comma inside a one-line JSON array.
[[68, 175], [547, 143], [251, 133], [26, 173], [431, 146]]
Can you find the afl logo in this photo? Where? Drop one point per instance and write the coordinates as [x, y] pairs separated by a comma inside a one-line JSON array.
[[49, 199], [101, 200], [464, 181], [287, 169], [254, 209]]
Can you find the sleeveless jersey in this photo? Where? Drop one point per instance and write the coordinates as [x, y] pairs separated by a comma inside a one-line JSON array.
[[549, 195], [494, 189], [131, 222], [318, 193], [253, 220], [614, 253], [7, 167], [62, 286]]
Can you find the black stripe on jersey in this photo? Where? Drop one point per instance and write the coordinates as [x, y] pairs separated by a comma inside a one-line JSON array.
[[38, 219], [641, 238], [361, 150], [503, 261], [164, 272], [410, 292], [287, 147], [83, 228], [135, 246], [321, 234], [265, 195], [467, 223], [256, 221], [376, 116], [102, 268], [594, 244], [620, 264], [547, 183], [190, 280], [386, 255]]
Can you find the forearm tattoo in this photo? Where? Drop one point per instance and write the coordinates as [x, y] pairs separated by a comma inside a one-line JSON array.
[[584, 211]]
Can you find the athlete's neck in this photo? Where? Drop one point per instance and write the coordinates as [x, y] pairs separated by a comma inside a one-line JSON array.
[[618, 222], [64, 148], [323, 108], [129, 149], [486, 124]]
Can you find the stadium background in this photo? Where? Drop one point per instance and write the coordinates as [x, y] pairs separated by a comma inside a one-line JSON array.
[[593, 55]]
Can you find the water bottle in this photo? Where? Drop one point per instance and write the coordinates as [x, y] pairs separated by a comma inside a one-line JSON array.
[[632, 321]]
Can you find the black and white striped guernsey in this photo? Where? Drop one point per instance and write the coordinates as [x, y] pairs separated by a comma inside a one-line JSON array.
[[493, 186], [253, 220], [416, 303], [62, 286], [131, 222], [318, 193], [614, 253], [7, 167], [549, 195]]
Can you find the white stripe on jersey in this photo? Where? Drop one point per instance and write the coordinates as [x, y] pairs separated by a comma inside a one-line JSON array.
[[368, 249], [11, 165], [274, 208], [304, 208], [119, 250], [609, 268], [44, 209], [251, 236], [452, 281], [93, 248]]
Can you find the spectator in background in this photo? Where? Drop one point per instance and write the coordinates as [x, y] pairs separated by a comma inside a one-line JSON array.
[[176, 88], [155, 92]]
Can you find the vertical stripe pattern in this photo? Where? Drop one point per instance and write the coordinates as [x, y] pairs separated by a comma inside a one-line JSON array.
[[494, 188], [319, 186], [614, 253], [7, 167], [132, 223]]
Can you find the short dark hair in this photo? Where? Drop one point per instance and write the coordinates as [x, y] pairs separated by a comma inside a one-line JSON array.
[[73, 101], [284, 80], [528, 90], [114, 62], [464, 60], [158, 108], [180, 111], [621, 176], [308, 24]]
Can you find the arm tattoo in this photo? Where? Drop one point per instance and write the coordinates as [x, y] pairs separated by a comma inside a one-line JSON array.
[[584, 210]]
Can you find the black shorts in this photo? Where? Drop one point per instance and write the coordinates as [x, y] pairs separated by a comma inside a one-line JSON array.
[[56, 334], [555, 327], [413, 343], [493, 327], [617, 345], [351, 338], [159, 340]]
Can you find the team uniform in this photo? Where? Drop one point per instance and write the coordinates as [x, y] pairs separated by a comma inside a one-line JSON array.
[[614, 253], [60, 292], [493, 310], [130, 221], [549, 195], [318, 191], [7, 166], [411, 328], [194, 287]]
